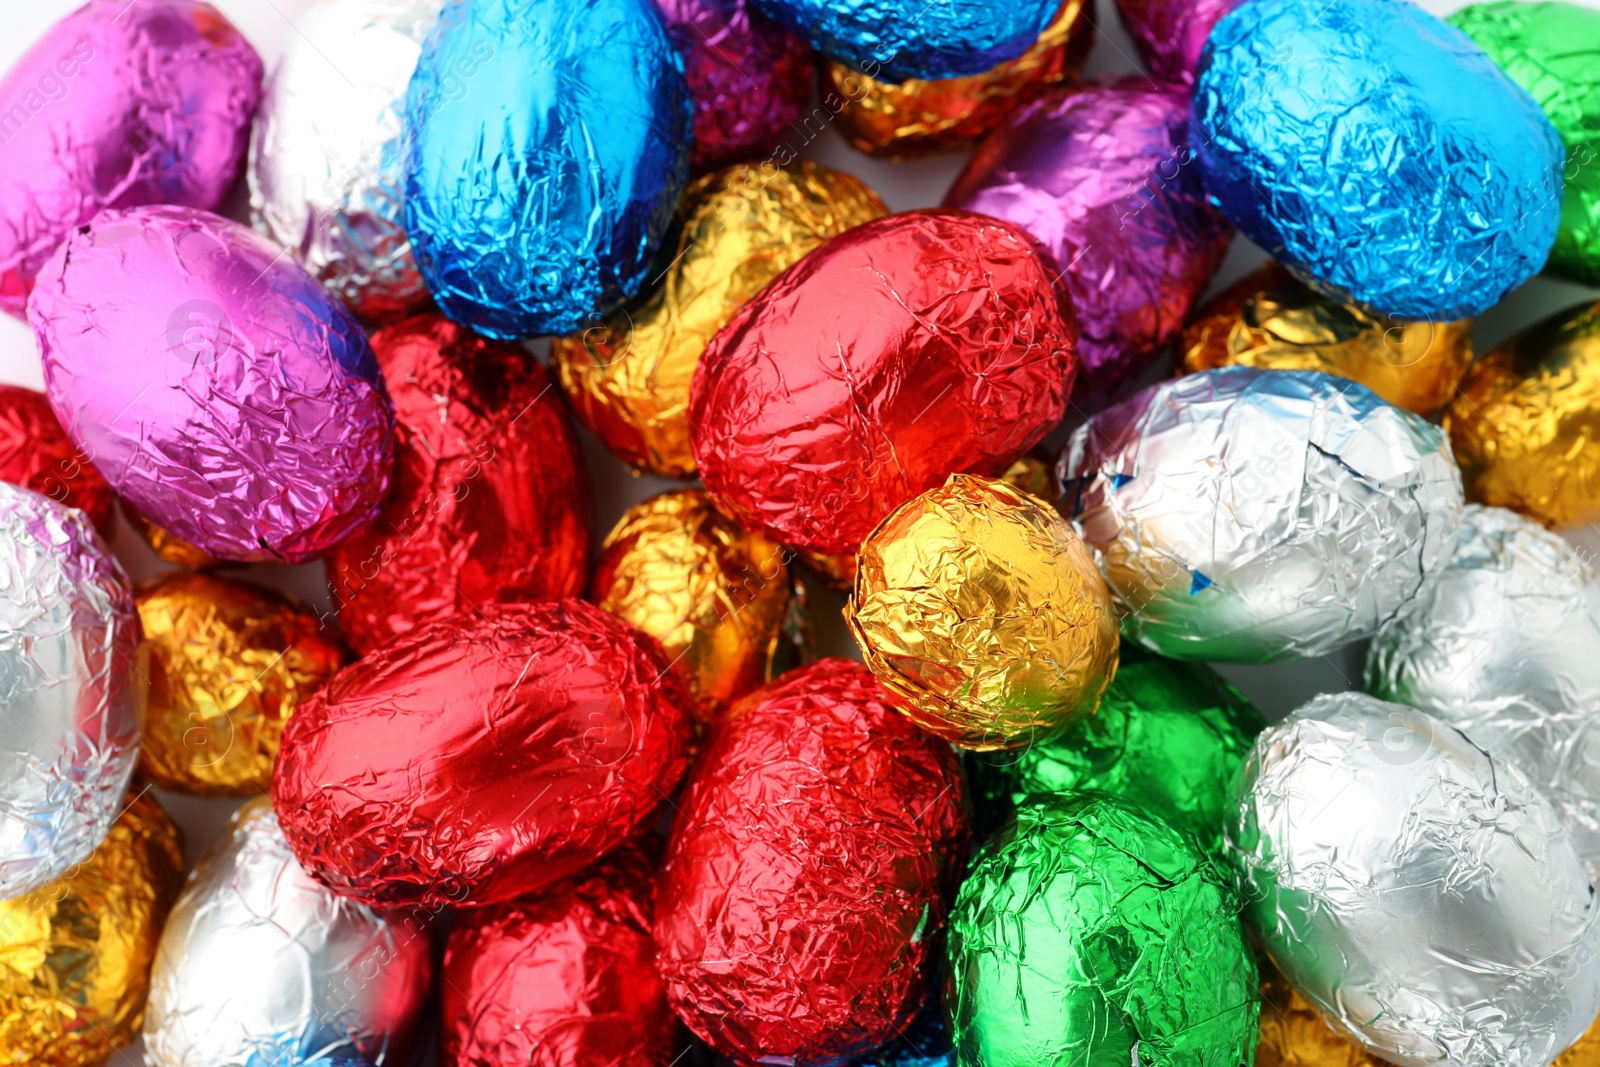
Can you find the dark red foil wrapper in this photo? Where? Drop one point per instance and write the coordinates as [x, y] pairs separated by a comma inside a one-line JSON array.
[[489, 500], [482, 757], [36, 454], [802, 904], [900, 352]]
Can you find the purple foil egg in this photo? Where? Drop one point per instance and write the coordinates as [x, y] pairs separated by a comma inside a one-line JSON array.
[[221, 390], [121, 103], [1170, 33], [1101, 177], [749, 77]]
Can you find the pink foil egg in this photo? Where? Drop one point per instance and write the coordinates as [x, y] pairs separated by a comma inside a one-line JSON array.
[[1170, 33]]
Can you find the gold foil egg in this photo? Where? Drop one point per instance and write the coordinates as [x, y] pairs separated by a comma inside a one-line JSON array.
[[229, 663], [738, 228], [75, 954], [1525, 425], [982, 614], [1269, 320], [1292, 1034], [169, 547], [918, 118]]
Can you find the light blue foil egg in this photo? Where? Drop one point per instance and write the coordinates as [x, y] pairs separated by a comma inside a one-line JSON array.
[[1378, 153], [549, 142]]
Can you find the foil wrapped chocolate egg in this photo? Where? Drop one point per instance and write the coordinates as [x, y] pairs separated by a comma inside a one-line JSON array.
[[225, 393], [489, 501], [327, 159], [482, 757], [1254, 516], [70, 670], [259, 964], [36, 454], [1169, 34], [628, 378], [1269, 320], [1102, 177], [1088, 931], [121, 103], [906, 350], [1526, 424], [523, 217], [982, 615], [1292, 1034], [1378, 153], [841, 830]]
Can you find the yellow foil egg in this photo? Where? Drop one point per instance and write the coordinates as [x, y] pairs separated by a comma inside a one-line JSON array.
[[1526, 424], [1269, 320], [1292, 1034], [229, 663], [169, 547], [982, 614], [75, 954]]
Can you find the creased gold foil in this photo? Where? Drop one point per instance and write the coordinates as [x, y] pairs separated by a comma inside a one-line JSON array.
[[1584, 1052], [169, 547]]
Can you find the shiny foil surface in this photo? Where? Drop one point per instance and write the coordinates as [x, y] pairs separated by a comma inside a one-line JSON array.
[[918, 117], [549, 143], [229, 662], [908, 349], [1526, 424], [1419, 893], [1585, 1052], [1102, 177], [482, 757], [489, 500], [225, 393], [75, 954], [73, 684], [1251, 516], [982, 615], [1378, 154], [121, 103], [1292, 1034], [174, 550], [800, 908], [327, 156], [1089, 932], [629, 377], [1269, 320], [562, 979], [1169, 34], [261, 965], [36, 454], [925, 1042]]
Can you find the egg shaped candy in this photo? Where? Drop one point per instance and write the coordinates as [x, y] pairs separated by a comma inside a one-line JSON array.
[[35, 453], [1169, 34], [1378, 153]]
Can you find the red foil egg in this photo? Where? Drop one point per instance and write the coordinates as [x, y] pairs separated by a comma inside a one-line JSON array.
[[482, 757], [36, 454], [489, 500], [803, 899], [900, 352]]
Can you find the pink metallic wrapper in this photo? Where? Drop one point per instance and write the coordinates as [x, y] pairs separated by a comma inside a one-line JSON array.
[[1170, 33]]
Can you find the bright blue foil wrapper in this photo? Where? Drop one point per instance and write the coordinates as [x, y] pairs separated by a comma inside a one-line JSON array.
[[549, 146], [1378, 153]]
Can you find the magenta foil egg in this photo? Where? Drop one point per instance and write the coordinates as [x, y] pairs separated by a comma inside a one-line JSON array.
[[1170, 33], [221, 390], [121, 103], [1101, 177]]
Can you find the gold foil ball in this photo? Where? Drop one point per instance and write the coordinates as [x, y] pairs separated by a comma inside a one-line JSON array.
[[169, 547], [737, 228], [75, 955], [229, 663], [1292, 1034], [1526, 424], [982, 614], [1269, 320]]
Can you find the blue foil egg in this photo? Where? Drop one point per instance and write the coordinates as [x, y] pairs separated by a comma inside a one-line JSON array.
[[549, 143], [1378, 153]]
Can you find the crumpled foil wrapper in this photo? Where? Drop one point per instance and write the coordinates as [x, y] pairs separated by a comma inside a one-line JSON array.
[[327, 158], [1418, 892], [1090, 932], [36, 454], [1292, 1034], [981, 614], [73, 682], [628, 378], [1269, 320], [1585, 1052], [1102, 177], [490, 499], [800, 908], [222, 391], [75, 954], [925, 1041], [1254, 516], [174, 550], [1526, 424], [261, 965], [897, 354], [549, 145], [121, 103], [1169, 34], [1378, 153]]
